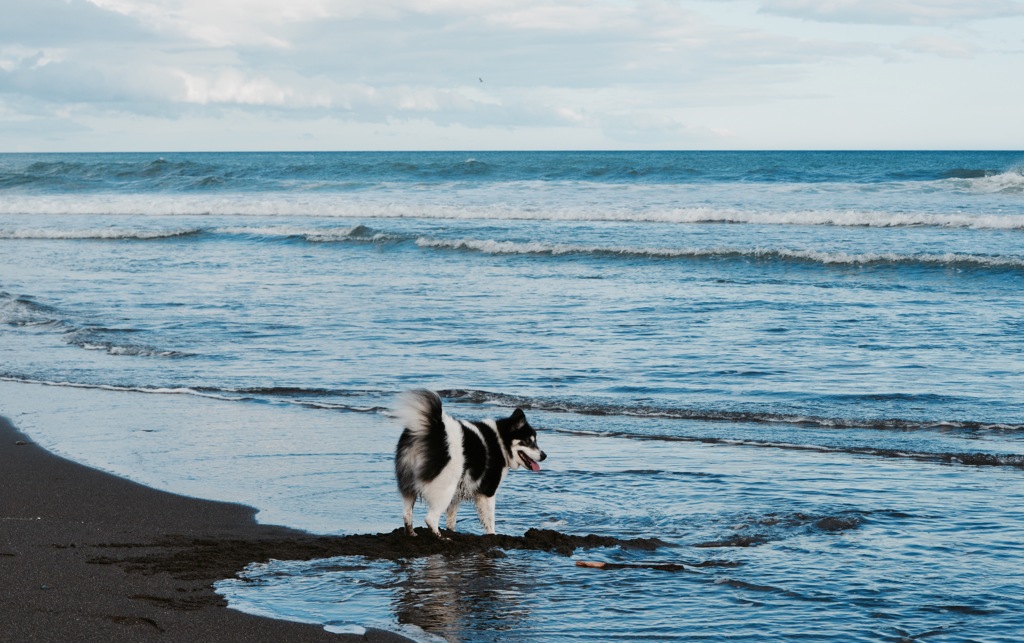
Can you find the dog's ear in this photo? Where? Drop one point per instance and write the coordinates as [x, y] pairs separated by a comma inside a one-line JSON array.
[[518, 417]]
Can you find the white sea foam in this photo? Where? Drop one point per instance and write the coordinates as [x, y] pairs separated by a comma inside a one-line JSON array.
[[315, 235], [1009, 182], [283, 231], [132, 350], [511, 205], [154, 390], [16, 311], [489, 246]]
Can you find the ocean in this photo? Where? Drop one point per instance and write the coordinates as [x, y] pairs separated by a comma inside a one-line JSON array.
[[804, 371]]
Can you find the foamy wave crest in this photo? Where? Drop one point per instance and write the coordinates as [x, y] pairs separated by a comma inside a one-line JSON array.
[[358, 208], [107, 234], [844, 218], [24, 311], [581, 407], [95, 340], [155, 390], [840, 258], [1010, 182], [313, 235], [282, 395]]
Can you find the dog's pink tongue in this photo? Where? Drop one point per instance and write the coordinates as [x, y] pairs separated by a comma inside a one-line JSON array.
[[534, 466]]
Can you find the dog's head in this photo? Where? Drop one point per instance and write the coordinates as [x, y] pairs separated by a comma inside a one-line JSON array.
[[522, 442]]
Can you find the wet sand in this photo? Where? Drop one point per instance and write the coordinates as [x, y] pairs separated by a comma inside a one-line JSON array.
[[85, 555], [68, 534]]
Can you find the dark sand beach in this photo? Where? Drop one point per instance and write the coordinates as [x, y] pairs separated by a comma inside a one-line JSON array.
[[85, 555], [68, 538]]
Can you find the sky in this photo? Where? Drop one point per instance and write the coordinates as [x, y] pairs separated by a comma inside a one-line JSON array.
[[181, 75]]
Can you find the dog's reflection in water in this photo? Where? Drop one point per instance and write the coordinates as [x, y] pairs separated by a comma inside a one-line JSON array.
[[459, 598]]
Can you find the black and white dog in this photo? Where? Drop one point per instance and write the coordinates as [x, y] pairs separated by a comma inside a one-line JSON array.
[[445, 461]]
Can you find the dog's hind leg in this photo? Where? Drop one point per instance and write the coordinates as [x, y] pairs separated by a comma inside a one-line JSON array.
[[439, 494], [449, 519], [485, 510], [408, 503], [434, 518]]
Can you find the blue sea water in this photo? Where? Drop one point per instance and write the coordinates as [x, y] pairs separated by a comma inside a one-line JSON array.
[[804, 370]]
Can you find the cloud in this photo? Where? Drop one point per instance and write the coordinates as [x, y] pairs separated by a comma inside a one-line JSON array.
[[58, 77], [232, 86], [224, 23], [42, 23], [399, 57], [939, 46], [624, 69], [895, 12]]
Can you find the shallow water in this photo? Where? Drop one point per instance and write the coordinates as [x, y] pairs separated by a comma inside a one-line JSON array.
[[806, 367]]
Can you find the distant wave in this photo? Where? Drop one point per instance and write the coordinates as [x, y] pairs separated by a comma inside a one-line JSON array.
[[109, 234], [312, 235], [814, 256], [117, 171], [218, 172]]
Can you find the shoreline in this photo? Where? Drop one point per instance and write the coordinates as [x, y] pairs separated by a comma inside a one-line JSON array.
[[69, 535], [87, 555]]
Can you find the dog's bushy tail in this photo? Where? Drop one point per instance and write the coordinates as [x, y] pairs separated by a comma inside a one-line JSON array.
[[422, 451], [419, 411]]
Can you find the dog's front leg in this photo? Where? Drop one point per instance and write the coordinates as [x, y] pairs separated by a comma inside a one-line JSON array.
[[485, 510]]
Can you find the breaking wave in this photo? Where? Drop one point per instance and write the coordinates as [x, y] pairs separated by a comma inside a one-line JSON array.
[[972, 458], [25, 311], [478, 397], [318, 235], [1009, 182], [489, 246], [498, 208], [106, 340]]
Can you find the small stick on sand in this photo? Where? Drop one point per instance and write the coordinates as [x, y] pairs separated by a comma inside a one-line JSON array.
[[665, 567]]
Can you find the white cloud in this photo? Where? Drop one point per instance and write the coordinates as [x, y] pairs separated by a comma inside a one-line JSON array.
[[896, 12], [224, 23], [614, 72], [231, 86], [939, 46]]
